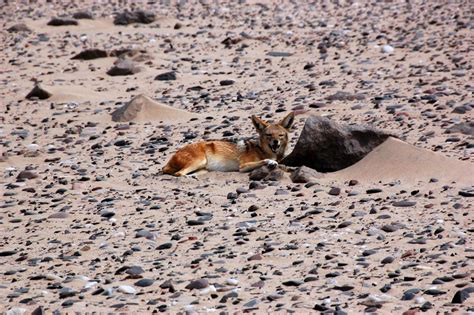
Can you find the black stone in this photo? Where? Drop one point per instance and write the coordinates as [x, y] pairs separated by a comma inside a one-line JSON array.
[[327, 146], [167, 76]]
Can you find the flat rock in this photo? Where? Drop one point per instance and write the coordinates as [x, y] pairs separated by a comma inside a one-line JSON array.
[[62, 22], [21, 27], [197, 284], [90, 54], [138, 16], [167, 76]]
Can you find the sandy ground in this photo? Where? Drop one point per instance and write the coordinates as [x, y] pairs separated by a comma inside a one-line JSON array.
[[89, 224]]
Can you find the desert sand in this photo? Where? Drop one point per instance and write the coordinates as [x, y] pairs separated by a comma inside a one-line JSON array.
[[90, 224]]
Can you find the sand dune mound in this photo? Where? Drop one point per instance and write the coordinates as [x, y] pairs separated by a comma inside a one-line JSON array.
[[144, 109], [398, 160]]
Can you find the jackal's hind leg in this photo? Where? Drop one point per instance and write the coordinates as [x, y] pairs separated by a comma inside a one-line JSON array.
[[192, 166]]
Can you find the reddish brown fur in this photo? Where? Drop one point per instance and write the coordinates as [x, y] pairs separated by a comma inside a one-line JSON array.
[[228, 156]]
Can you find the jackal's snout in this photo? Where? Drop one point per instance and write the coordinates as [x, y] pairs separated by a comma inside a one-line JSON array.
[[275, 145]]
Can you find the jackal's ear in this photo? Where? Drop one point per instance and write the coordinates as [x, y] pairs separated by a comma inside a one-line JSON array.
[[259, 124], [287, 122]]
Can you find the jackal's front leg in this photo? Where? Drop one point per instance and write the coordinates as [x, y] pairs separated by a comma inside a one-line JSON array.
[[250, 166]]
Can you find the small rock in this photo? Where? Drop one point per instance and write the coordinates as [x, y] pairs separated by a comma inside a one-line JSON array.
[[138, 16], [255, 257], [387, 49], [38, 93], [24, 175], [461, 296], [344, 224], [7, 253], [62, 22], [144, 282], [127, 289], [226, 82], [21, 27], [167, 76], [305, 174], [123, 67], [466, 193], [387, 260], [279, 54], [83, 15], [134, 271], [197, 284], [404, 203], [90, 54], [165, 246], [293, 283], [59, 215], [334, 191], [66, 292]]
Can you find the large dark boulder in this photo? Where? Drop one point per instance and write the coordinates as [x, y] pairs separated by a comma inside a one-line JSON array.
[[328, 146]]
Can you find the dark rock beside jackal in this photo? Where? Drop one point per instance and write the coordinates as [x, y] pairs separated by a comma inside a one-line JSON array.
[[327, 146]]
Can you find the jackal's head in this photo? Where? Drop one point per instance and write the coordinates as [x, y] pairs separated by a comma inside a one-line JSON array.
[[274, 137]]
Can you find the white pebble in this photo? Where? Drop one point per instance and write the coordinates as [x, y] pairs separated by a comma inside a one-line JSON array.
[[232, 281], [420, 300], [32, 147], [16, 311], [210, 289], [53, 277], [127, 289], [387, 49], [89, 285]]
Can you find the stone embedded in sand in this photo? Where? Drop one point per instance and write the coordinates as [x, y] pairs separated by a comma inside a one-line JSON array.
[[345, 96], [466, 193], [226, 82], [387, 49], [21, 27], [123, 67], [279, 54], [305, 174], [59, 215], [466, 128], [144, 282], [62, 22], [7, 253], [83, 15], [265, 173], [138, 16], [143, 109], [127, 289], [38, 93], [90, 54], [197, 284], [24, 175], [328, 146], [462, 295], [404, 203], [167, 76]]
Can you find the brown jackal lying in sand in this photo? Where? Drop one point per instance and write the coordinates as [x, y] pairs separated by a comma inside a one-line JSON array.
[[225, 156]]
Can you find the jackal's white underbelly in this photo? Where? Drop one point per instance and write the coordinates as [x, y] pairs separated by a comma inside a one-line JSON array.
[[221, 164]]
